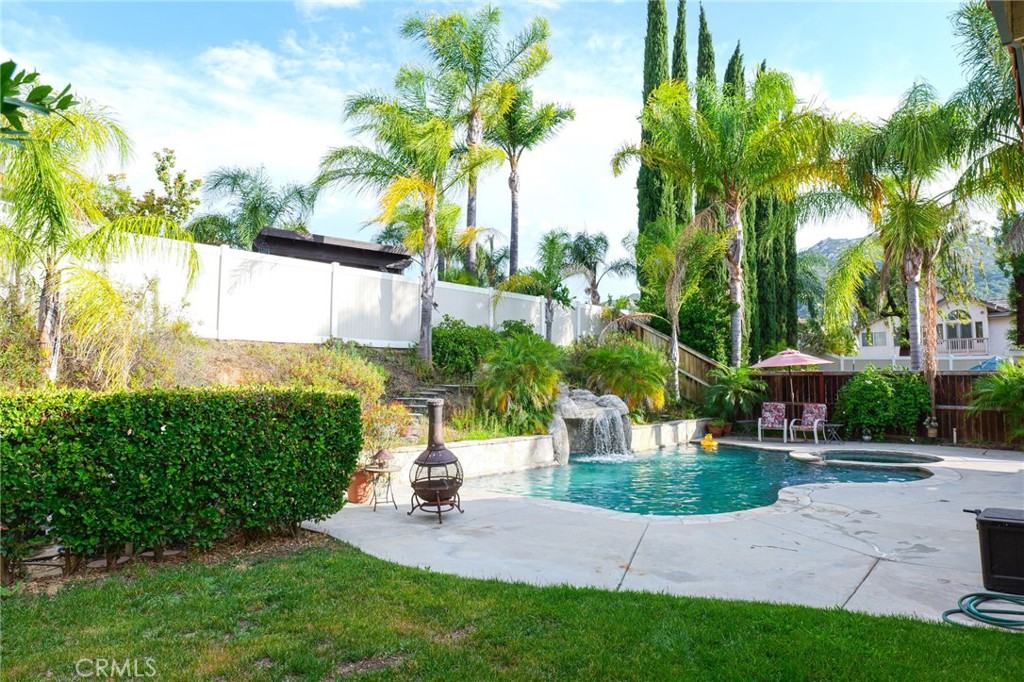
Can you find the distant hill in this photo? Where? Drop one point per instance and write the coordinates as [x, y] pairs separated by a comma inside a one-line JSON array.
[[990, 283]]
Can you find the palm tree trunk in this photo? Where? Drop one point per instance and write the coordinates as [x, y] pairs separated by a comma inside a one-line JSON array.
[[474, 136], [427, 282], [674, 353], [49, 324], [549, 317], [931, 314], [912, 275], [442, 264], [513, 232], [734, 265], [595, 297]]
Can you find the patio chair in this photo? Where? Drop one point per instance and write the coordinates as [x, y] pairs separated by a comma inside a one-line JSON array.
[[813, 420], [773, 416]]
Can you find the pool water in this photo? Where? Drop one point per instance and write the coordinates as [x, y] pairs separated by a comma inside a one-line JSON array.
[[682, 481], [873, 457]]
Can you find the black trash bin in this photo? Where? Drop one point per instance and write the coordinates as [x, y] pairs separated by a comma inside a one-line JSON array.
[[1001, 537]]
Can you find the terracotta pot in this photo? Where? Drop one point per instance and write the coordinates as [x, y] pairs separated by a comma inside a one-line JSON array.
[[359, 488], [727, 429], [716, 430], [933, 432]]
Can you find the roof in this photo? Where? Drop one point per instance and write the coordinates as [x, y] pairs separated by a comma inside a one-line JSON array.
[[324, 249], [1009, 16]]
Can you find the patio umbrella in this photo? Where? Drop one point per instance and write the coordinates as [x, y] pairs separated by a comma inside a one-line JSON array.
[[790, 359]]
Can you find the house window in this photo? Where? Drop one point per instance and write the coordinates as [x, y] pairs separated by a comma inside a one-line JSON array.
[[958, 325], [979, 332], [870, 338]]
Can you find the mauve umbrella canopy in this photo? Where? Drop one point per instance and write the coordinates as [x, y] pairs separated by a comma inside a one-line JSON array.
[[790, 358]]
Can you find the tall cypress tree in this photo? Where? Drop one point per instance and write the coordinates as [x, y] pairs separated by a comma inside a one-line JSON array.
[[705, 54], [792, 322], [683, 195], [650, 184], [734, 81]]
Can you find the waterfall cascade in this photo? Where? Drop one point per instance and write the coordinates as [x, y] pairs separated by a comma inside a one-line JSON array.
[[596, 424]]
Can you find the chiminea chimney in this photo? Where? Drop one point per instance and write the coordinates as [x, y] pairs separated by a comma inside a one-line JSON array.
[[436, 475]]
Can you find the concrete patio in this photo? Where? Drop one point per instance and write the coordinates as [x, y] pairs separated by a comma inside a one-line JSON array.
[[886, 548]]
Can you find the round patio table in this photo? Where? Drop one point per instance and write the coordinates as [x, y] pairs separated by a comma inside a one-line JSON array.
[[382, 477]]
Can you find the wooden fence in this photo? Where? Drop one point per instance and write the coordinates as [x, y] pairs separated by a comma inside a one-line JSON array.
[[951, 397]]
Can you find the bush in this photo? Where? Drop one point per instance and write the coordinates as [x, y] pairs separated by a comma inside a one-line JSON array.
[[1002, 390], [866, 402], [459, 348], [20, 360], [181, 467], [911, 400], [733, 392], [337, 368], [626, 367], [512, 327], [519, 379]]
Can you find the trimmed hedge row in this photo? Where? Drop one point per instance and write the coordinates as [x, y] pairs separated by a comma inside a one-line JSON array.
[[170, 467]]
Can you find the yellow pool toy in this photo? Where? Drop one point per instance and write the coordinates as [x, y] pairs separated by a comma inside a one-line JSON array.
[[709, 443]]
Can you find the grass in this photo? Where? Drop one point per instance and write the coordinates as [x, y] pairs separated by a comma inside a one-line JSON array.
[[333, 612]]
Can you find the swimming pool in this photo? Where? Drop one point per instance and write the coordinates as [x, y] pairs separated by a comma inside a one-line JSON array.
[[682, 481]]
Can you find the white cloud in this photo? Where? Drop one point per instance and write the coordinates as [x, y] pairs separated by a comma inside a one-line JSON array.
[[314, 9]]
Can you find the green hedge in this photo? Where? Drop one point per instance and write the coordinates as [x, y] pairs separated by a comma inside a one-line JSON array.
[[170, 467]]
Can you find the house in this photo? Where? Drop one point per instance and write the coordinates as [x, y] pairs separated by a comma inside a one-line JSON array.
[[323, 249], [968, 333]]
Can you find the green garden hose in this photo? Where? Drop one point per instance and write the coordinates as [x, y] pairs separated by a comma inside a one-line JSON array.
[[973, 606]]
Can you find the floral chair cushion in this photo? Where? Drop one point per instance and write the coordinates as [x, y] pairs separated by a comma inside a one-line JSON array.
[[773, 415], [813, 412]]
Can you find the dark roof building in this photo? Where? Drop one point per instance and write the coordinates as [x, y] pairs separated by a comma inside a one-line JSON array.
[[1009, 16], [323, 249]]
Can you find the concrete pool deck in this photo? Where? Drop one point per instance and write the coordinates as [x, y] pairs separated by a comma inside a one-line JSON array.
[[884, 548]]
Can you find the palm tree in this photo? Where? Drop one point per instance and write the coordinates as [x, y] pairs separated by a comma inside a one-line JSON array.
[[406, 230], [520, 128], [255, 204], [678, 256], [468, 48], [56, 237], [890, 170], [545, 279], [994, 170], [734, 148], [415, 156], [588, 256]]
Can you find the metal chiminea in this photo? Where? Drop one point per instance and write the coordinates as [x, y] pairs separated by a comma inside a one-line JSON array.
[[436, 474]]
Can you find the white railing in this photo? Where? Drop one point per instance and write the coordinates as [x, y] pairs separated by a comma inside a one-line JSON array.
[[248, 296], [963, 346]]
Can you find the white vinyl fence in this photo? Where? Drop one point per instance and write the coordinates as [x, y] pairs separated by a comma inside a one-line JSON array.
[[248, 296]]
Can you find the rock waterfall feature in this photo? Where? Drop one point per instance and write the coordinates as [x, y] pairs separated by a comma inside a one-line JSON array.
[[595, 424]]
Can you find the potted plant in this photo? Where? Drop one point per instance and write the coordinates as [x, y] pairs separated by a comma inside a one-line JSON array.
[[733, 392], [931, 425], [716, 427], [384, 425], [866, 435]]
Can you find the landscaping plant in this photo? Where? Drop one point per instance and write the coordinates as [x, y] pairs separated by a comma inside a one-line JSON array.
[[865, 403], [519, 379], [459, 347], [911, 400], [733, 392], [1002, 390], [627, 368]]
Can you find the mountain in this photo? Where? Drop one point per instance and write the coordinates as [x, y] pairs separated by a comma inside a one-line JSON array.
[[990, 282]]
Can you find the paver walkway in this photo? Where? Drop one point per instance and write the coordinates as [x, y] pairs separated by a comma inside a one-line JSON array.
[[905, 548]]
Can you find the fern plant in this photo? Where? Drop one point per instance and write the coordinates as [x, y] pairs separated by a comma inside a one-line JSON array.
[[733, 391], [629, 369]]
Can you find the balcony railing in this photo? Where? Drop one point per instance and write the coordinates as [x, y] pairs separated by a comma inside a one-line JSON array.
[[962, 346]]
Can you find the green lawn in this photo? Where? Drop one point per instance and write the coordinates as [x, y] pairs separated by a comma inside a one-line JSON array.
[[333, 612]]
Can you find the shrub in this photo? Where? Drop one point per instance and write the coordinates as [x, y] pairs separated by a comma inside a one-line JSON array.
[[459, 347], [20, 359], [1002, 390], [181, 467], [628, 368], [911, 400], [384, 425], [733, 391], [519, 379], [511, 327], [337, 368], [866, 402]]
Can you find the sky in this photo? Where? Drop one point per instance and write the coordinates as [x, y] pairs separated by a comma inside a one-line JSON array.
[[263, 84]]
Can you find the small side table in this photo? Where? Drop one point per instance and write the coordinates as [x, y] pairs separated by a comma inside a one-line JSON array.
[[382, 477], [832, 430]]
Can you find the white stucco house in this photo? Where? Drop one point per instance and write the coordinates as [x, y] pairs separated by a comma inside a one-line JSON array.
[[968, 334]]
